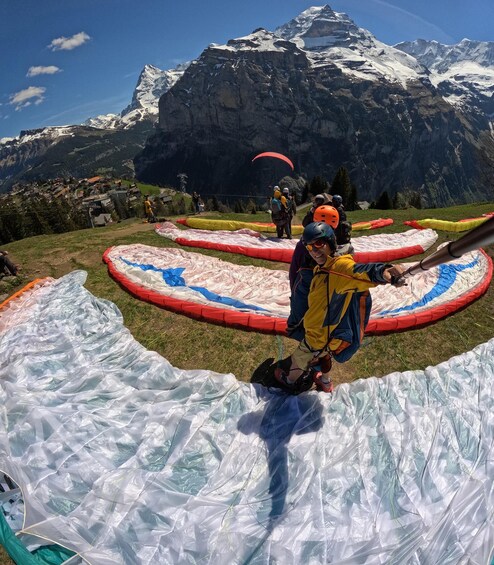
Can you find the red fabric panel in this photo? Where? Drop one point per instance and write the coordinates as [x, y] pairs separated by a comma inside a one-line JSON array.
[[414, 224], [270, 254], [386, 256]]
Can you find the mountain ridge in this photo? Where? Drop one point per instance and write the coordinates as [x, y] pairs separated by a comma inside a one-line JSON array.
[[351, 67]]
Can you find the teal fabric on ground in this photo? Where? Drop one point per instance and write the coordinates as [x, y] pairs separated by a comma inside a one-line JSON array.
[[47, 555], [13, 546]]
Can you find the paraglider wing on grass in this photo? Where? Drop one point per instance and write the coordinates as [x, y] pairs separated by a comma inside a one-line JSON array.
[[445, 225], [123, 458], [257, 298], [382, 247]]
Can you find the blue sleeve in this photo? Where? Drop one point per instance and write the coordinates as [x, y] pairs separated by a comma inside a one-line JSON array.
[[298, 258], [299, 303], [373, 270]]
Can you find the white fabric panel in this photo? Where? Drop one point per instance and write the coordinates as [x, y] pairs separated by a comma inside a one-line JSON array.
[[270, 289], [127, 459], [253, 239]]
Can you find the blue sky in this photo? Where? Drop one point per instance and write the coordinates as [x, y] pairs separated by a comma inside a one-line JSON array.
[[64, 61]]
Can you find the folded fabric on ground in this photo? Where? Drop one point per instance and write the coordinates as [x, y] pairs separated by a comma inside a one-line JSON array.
[[371, 248], [257, 298], [124, 458], [230, 225], [444, 225], [372, 224], [212, 224]]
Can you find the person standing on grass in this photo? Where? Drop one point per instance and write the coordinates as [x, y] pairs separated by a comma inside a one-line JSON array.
[[195, 201], [291, 209], [148, 207], [319, 200], [279, 214], [339, 305]]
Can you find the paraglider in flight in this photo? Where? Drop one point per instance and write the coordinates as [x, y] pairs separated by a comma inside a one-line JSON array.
[[276, 156]]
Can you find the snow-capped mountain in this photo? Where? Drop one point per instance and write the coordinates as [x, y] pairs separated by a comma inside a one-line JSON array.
[[328, 93], [415, 115], [31, 152], [331, 37], [152, 84], [461, 71]]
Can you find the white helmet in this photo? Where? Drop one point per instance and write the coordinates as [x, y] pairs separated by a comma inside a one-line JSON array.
[[286, 190]]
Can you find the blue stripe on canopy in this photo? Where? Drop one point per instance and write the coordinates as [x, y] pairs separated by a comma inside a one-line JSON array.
[[173, 277], [446, 279]]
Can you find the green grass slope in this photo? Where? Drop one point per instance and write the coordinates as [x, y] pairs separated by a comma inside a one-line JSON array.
[[190, 344]]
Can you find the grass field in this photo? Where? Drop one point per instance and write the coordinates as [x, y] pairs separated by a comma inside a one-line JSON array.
[[189, 344]]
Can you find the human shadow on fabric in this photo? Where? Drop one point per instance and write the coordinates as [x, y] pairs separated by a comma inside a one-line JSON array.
[[283, 416]]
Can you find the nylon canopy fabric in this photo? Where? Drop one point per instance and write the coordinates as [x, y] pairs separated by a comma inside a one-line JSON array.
[[257, 298], [231, 225], [372, 224], [297, 229], [125, 459], [371, 248], [444, 225]]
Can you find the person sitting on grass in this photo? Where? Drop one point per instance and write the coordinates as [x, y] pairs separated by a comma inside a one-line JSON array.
[[6, 265], [334, 323]]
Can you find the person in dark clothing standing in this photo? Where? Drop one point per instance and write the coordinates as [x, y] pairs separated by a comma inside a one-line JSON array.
[[319, 200], [195, 200], [344, 229]]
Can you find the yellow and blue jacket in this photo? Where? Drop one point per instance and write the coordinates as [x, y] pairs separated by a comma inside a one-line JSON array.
[[340, 304]]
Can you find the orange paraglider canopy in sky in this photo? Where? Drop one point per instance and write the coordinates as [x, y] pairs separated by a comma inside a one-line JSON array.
[[276, 156]]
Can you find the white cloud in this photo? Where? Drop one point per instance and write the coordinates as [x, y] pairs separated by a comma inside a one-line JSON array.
[[69, 43], [35, 71], [28, 96]]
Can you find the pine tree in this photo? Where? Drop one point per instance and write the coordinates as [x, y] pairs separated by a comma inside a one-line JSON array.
[[341, 185], [352, 199], [384, 201], [239, 207], [36, 222], [416, 200], [13, 220], [318, 185]]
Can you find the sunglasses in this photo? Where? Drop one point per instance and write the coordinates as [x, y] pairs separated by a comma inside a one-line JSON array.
[[318, 244]]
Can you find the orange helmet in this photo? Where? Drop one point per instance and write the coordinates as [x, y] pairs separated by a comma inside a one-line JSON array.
[[327, 214]]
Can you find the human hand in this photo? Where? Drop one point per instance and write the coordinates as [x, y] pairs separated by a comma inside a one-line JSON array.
[[394, 275]]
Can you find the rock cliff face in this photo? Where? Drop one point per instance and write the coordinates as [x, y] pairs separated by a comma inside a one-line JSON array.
[[103, 143], [77, 151], [325, 99], [321, 90]]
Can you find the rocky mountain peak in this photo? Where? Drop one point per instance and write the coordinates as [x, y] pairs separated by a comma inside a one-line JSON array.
[[259, 40], [321, 26]]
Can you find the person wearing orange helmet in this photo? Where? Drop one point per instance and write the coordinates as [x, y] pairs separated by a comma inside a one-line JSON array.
[[327, 213]]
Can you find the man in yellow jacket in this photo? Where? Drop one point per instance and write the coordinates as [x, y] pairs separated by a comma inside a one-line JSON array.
[[326, 322]]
